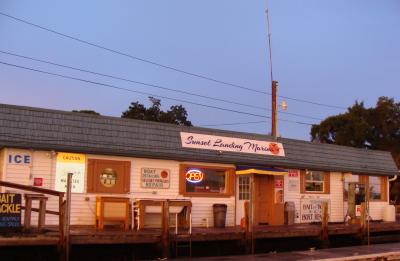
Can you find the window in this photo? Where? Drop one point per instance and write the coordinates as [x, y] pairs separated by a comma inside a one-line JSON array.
[[108, 176], [314, 181], [244, 188], [206, 181], [358, 184], [377, 188]]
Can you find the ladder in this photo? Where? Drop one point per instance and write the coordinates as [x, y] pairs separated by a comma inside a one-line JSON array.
[[184, 240]]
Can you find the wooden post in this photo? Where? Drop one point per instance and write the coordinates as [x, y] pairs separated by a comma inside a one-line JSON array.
[[165, 229], [362, 222], [42, 212], [274, 112], [27, 214], [351, 202], [363, 217], [61, 219], [67, 216], [324, 222], [248, 237]]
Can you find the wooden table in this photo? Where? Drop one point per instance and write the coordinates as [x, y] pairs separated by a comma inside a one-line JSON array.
[[139, 211], [28, 209], [112, 209]]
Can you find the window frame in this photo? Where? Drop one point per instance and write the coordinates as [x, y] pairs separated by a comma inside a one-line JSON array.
[[326, 183], [229, 181], [244, 189], [384, 187], [93, 169]]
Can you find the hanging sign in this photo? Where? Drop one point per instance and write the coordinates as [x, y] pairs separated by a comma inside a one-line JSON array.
[[194, 176], [293, 183], [358, 210], [220, 143], [311, 210], [70, 163], [279, 183], [155, 178], [10, 210], [38, 182], [293, 173]]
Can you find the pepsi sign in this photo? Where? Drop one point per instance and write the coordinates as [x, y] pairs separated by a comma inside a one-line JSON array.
[[194, 176]]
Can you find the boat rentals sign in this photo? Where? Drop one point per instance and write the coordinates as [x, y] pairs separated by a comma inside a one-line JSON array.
[[221, 143]]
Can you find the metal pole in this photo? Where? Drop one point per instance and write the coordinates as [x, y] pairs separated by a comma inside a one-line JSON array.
[[68, 217]]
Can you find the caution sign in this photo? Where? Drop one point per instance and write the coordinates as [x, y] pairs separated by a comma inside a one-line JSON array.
[[10, 210], [70, 163]]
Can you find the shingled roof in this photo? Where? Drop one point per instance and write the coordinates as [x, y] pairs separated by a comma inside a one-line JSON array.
[[36, 128]]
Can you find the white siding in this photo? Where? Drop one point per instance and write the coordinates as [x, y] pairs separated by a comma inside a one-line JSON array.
[[2, 166], [335, 197], [83, 204], [337, 208], [43, 165]]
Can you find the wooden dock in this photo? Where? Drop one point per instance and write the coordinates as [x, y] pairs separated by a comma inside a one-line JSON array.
[[90, 235], [203, 241]]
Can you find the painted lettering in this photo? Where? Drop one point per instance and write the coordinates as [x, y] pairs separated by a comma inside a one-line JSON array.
[[19, 159]]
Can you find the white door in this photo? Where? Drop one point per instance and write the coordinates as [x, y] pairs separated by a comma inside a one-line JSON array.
[[242, 195]]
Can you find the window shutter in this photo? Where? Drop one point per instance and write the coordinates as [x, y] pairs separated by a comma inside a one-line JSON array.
[[127, 176], [302, 178], [89, 175], [327, 183], [231, 182], [182, 168]]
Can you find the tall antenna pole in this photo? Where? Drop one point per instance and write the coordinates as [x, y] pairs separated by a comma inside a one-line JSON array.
[[269, 45], [273, 83]]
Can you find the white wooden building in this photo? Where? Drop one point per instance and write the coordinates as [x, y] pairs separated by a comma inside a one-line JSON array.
[[147, 160]]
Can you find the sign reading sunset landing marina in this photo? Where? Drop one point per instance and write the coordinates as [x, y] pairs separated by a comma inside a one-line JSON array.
[[220, 143]]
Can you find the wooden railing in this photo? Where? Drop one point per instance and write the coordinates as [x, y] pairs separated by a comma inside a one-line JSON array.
[[62, 208]]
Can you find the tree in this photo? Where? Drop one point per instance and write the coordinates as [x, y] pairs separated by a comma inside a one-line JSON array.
[[373, 128], [87, 112], [177, 114]]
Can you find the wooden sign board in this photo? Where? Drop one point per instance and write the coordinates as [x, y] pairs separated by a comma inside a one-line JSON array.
[[311, 210], [155, 178], [10, 210]]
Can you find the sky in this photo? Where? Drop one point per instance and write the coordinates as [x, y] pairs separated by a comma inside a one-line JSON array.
[[327, 52]]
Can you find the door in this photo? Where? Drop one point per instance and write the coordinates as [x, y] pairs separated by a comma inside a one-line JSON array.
[[263, 199], [243, 190]]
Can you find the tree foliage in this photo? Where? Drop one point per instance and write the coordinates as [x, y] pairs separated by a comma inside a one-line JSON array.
[[374, 128], [176, 114], [87, 112]]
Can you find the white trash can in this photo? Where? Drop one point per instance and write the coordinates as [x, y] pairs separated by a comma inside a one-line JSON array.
[[389, 213]]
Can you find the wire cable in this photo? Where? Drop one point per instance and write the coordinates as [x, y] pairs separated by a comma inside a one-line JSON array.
[[151, 85], [159, 64], [229, 124], [140, 92]]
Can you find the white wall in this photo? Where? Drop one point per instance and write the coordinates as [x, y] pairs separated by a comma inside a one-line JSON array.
[[43, 165], [83, 204], [337, 207]]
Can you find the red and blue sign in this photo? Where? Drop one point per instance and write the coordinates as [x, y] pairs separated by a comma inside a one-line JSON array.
[[194, 176]]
